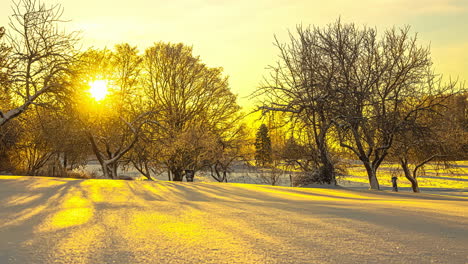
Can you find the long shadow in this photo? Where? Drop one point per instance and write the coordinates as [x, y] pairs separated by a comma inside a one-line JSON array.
[[242, 194], [390, 218], [447, 178], [193, 192], [258, 203], [386, 191], [28, 244], [249, 192], [27, 187], [310, 192], [51, 197], [407, 225], [393, 218], [145, 193], [437, 189], [220, 192], [29, 219], [183, 192], [188, 193], [404, 221], [432, 223]]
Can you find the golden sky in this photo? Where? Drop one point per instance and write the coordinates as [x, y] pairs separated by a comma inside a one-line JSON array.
[[238, 34]]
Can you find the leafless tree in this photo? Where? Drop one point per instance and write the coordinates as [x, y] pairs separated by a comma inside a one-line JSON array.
[[345, 78], [300, 84], [40, 57], [430, 136], [5, 67], [375, 78], [416, 147], [106, 151], [32, 150], [193, 100], [145, 156], [228, 149], [112, 126]]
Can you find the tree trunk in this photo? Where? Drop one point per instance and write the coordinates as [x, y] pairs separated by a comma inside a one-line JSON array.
[[413, 180], [215, 175], [220, 174], [114, 168], [329, 172], [109, 170], [65, 161], [328, 167], [143, 169], [372, 176], [177, 175], [105, 169], [169, 174], [147, 173]]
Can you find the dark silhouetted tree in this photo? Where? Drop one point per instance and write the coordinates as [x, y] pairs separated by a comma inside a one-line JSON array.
[[263, 150], [345, 79]]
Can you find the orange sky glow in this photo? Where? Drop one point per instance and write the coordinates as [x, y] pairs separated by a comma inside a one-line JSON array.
[[238, 34]]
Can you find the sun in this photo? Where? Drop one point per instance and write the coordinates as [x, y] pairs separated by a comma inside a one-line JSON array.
[[98, 89]]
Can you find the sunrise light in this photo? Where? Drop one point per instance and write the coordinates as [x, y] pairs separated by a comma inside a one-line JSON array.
[[98, 89]]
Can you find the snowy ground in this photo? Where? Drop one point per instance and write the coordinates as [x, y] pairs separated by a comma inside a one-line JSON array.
[[435, 180], [52, 220]]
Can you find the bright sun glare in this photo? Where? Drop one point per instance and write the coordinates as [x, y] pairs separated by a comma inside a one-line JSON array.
[[98, 89]]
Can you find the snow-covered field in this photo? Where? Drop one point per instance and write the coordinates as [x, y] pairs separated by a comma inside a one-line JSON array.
[[452, 180], [57, 220], [433, 179]]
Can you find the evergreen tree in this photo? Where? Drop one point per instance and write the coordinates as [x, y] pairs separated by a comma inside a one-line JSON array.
[[262, 146]]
